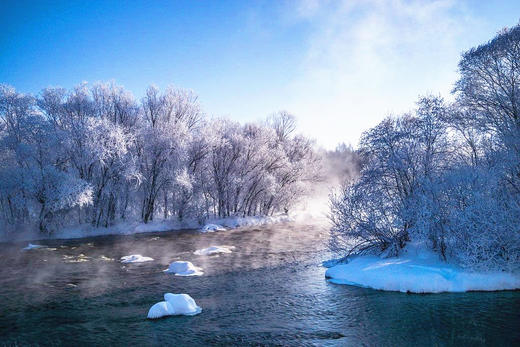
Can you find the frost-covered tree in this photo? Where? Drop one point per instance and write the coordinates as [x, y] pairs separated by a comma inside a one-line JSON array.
[[488, 84], [340, 165], [255, 171], [95, 155], [35, 185], [488, 91], [162, 143], [400, 157]]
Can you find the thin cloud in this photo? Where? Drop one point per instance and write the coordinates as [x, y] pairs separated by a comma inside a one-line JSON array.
[[365, 59]]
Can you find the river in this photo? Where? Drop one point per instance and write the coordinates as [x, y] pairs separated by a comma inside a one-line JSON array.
[[270, 291]]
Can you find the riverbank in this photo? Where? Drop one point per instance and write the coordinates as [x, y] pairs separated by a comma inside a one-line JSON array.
[[129, 228], [418, 271]]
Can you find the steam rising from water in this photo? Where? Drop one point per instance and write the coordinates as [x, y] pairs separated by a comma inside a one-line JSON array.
[[87, 266]]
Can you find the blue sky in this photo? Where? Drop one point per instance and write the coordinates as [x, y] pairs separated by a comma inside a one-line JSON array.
[[339, 66]]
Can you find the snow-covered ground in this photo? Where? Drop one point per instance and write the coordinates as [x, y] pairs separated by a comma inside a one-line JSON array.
[[174, 304], [214, 250], [184, 268], [135, 258], [128, 228], [418, 271]]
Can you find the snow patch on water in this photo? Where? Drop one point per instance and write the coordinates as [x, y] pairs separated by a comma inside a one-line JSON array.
[[184, 268], [80, 258], [209, 228], [32, 246], [174, 304], [214, 250], [135, 258], [250, 221], [419, 271]]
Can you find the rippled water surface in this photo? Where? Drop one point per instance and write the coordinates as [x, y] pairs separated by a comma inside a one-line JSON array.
[[270, 291]]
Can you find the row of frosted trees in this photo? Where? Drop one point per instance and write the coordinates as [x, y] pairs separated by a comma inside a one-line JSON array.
[[446, 175], [96, 155]]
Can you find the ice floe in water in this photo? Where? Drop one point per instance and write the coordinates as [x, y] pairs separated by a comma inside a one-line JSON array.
[[214, 250], [174, 304], [31, 246], [208, 228], [184, 268], [135, 258], [419, 273]]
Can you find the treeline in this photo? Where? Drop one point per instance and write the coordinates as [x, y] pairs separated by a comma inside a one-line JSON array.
[[447, 174], [96, 155]]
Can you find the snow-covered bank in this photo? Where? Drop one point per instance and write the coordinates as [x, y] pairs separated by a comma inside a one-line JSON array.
[[251, 221], [128, 228], [421, 272]]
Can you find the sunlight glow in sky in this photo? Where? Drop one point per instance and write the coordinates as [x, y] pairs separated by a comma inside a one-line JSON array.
[[339, 66]]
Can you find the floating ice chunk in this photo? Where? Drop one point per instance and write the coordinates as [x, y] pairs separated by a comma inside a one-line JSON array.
[[160, 309], [31, 246], [174, 304], [214, 250], [184, 268], [208, 228], [135, 258], [182, 304], [76, 258]]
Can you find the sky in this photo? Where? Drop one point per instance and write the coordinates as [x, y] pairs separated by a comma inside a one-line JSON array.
[[339, 66]]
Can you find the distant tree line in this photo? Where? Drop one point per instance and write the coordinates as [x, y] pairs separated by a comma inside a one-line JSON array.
[[96, 155], [446, 174]]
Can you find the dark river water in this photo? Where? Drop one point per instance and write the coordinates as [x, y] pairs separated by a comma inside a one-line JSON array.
[[270, 291]]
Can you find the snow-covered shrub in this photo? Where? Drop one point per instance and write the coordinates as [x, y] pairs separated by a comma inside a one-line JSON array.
[[481, 221], [398, 156]]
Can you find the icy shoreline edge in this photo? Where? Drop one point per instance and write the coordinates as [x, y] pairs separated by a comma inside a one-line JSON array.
[[418, 275], [131, 228]]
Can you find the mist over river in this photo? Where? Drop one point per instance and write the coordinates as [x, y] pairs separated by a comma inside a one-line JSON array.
[[270, 290]]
